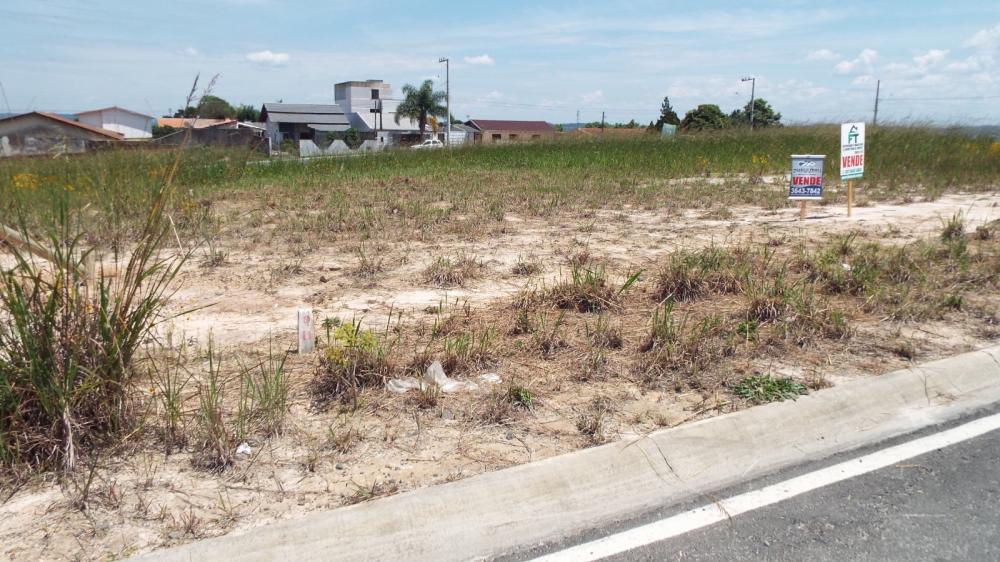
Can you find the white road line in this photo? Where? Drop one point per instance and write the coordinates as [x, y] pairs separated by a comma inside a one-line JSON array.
[[716, 512]]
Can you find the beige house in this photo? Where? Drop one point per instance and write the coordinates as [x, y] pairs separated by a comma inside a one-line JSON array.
[[492, 130]]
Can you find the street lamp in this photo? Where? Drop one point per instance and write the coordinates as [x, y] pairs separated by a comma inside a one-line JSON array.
[[753, 88], [447, 99]]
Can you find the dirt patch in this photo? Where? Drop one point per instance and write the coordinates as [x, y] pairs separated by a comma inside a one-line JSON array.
[[569, 378]]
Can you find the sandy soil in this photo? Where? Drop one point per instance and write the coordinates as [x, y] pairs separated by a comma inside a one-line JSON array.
[[142, 499]]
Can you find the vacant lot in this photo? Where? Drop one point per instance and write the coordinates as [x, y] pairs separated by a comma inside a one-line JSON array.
[[612, 289]]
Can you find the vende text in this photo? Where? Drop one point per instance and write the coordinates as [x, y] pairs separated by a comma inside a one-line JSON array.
[[807, 180], [852, 160]]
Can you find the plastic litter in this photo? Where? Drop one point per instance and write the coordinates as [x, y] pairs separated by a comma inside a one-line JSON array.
[[244, 449], [435, 376]]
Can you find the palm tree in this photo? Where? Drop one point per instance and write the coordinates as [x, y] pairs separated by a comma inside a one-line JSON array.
[[421, 103]]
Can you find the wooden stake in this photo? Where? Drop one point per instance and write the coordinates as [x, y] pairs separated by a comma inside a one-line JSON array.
[[802, 210], [850, 197]]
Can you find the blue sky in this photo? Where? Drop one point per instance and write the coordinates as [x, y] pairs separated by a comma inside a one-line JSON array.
[[814, 61]]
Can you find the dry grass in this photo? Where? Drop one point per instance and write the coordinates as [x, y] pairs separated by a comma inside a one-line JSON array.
[[451, 272]]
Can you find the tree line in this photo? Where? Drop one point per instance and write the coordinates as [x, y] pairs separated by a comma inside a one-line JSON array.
[[709, 116]]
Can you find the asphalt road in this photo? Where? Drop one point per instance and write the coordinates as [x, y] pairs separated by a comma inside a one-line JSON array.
[[943, 505]]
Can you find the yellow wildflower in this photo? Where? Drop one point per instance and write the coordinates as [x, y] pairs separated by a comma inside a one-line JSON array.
[[25, 180]]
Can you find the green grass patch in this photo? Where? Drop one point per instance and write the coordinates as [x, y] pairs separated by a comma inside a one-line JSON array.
[[761, 389]]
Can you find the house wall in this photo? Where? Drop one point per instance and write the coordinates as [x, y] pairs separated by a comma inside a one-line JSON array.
[[131, 125], [456, 137], [35, 135], [492, 136], [298, 130], [308, 148], [357, 102]]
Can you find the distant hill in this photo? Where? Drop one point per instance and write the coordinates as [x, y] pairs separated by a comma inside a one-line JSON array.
[[982, 131], [69, 116]]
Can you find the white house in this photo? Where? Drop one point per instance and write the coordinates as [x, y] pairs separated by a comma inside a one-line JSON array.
[[371, 109], [130, 124]]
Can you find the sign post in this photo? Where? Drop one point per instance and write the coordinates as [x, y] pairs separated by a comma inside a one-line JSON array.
[[306, 331], [852, 157], [806, 182]]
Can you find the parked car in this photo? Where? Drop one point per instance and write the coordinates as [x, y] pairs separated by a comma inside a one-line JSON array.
[[429, 143]]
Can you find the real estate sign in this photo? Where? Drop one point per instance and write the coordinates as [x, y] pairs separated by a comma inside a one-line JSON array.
[[807, 177], [852, 151]]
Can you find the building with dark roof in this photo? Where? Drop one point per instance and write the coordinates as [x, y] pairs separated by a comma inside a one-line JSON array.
[[493, 130], [38, 133], [296, 122]]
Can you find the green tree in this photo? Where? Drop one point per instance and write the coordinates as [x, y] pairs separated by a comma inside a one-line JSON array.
[[421, 103], [706, 116], [763, 115], [667, 115], [163, 130], [352, 138], [214, 107], [188, 111], [247, 113]]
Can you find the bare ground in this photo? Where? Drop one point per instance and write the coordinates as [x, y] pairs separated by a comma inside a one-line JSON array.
[[140, 499]]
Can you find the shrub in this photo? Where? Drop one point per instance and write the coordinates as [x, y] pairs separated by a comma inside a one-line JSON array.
[[68, 344], [357, 358]]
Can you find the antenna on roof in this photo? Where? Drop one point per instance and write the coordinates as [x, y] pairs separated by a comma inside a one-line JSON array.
[[7, 103]]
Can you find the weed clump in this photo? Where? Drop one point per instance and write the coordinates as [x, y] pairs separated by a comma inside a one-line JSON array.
[[595, 421], [447, 272], [357, 358], [68, 344], [691, 275], [760, 389], [588, 290], [684, 347]]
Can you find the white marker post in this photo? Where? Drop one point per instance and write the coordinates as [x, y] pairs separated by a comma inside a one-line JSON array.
[[806, 182], [852, 157], [307, 334]]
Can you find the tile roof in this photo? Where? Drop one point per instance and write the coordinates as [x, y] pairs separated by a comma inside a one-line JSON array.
[[515, 126], [193, 122], [103, 132]]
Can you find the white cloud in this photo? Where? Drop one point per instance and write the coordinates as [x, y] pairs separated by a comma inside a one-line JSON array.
[[483, 59], [798, 89], [595, 96], [986, 39], [268, 57], [190, 51], [822, 54], [931, 58], [862, 63]]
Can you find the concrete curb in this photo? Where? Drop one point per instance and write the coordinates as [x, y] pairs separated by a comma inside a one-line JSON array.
[[497, 512]]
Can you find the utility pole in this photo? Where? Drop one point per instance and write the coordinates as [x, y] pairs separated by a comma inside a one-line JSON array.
[[577, 118], [878, 84], [7, 103], [753, 88], [602, 121], [447, 98]]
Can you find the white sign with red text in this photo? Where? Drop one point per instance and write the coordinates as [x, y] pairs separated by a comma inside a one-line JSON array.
[[806, 180], [852, 151]]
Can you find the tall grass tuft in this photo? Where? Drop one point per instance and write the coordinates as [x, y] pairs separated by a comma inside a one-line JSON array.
[[68, 344]]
